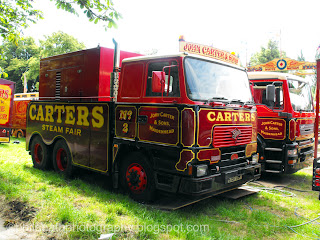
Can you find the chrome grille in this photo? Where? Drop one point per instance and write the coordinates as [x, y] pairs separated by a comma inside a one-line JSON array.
[[226, 136], [306, 129]]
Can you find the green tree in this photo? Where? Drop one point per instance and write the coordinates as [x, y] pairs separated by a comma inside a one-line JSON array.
[[267, 54], [15, 61], [59, 43]]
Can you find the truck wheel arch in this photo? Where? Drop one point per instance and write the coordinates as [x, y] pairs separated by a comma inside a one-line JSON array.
[[125, 149]]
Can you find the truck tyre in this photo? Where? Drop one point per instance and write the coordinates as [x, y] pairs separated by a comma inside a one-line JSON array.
[[41, 156], [62, 161], [137, 178]]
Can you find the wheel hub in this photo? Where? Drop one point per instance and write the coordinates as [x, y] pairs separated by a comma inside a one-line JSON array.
[[61, 159], [136, 178], [38, 153]]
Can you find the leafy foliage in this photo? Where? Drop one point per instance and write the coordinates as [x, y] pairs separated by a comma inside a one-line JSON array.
[[18, 14], [95, 10], [59, 43], [267, 54], [15, 59], [15, 15]]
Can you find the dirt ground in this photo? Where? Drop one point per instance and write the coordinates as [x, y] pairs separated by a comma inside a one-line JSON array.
[[13, 216]]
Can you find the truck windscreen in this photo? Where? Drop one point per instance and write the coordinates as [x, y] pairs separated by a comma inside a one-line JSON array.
[[207, 80], [300, 95]]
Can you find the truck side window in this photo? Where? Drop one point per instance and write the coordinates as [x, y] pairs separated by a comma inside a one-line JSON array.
[[171, 89], [259, 95]]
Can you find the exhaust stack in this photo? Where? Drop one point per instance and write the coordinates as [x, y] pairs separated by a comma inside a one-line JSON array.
[[114, 78]]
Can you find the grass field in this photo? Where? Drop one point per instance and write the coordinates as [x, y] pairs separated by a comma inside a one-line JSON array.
[[86, 207]]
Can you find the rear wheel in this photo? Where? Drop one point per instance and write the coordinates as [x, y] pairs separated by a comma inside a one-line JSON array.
[[62, 161], [137, 177], [40, 154]]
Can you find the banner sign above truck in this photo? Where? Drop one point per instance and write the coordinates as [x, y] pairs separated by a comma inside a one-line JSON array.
[[208, 51], [284, 64]]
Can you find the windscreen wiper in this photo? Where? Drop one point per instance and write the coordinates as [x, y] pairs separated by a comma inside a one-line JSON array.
[[236, 101], [213, 99]]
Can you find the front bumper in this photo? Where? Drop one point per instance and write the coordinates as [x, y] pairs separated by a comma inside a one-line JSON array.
[[219, 182], [303, 159]]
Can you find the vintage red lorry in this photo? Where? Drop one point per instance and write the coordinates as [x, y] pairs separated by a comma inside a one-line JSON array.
[[6, 104], [286, 120], [181, 123]]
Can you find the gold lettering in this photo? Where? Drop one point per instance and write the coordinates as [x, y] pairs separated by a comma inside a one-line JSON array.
[[234, 116], [227, 117], [220, 117], [70, 119], [83, 114], [247, 117], [49, 113], [241, 117], [97, 117], [31, 110], [211, 116], [40, 114], [59, 109]]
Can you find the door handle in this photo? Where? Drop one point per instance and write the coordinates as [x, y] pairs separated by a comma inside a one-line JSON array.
[[142, 119]]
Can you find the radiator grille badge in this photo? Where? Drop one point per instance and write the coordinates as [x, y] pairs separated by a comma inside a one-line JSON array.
[[235, 134]]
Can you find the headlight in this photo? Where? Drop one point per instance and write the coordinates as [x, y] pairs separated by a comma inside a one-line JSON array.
[[255, 158], [292, 152], [202, 170]]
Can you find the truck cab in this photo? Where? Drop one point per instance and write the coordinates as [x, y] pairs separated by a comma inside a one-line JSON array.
[[285, 121], [195, 118]]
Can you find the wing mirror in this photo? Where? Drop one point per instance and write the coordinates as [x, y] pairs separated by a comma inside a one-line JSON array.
[[158, 81], [270, 93]]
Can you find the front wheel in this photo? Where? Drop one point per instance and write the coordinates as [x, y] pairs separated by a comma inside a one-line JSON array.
[[40, 153], [137, 177], [62, 161]]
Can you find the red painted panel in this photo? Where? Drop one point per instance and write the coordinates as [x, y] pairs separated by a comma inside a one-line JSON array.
[[159, 125], [188, 127], [126, 118], [19, 119], [272, 128], [132, 85]]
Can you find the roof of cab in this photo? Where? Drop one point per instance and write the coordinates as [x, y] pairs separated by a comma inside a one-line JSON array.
[[182, 54], [274, 75]]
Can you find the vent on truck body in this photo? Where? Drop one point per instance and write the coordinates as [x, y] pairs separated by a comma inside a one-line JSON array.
[[58, 83]]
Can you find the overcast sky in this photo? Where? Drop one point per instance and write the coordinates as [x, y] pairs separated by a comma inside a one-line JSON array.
[[235, 26]]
